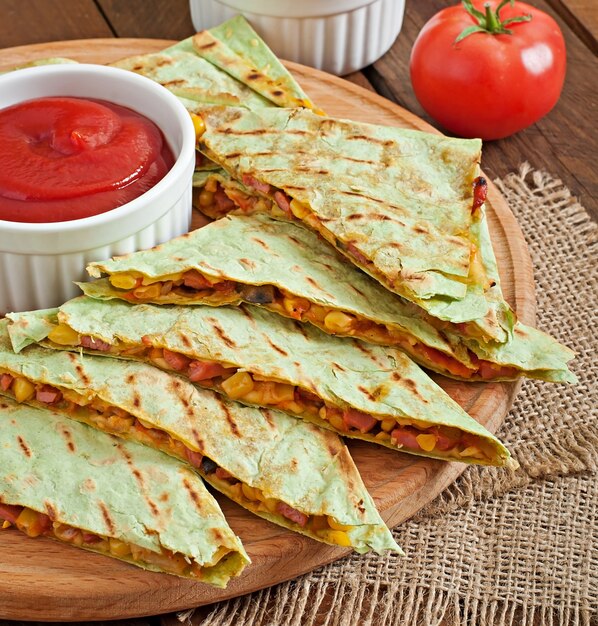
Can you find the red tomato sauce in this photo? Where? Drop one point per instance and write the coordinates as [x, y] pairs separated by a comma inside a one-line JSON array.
[[68, 158]]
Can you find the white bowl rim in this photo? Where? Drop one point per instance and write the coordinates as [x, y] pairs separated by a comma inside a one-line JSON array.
[[292, 9], [132, 206]]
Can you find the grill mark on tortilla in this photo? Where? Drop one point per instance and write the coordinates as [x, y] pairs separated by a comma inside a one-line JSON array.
[[136, 400], [365, 351], [233, 155], [339, 367], [296, 187], [136, 473], [194, 495], [26, 449], [107, 517], [367, 393], [294, 239], [231, 131], [198, 440], [412, 386], [519, 331], [260, 242], [357, 291], [457, 240], [130, 378], [217, 534], [89, 484], [220, 332], [186, 341], [277, 348], [153, 507], [254, 76], [176, 81], [268, 415], [212, 269], [420, 229], [355, 160], [205, 46], [229, 418], [50, 510], [71, 356], [333, 446], [164, 497], [358, 194], [247, 315], [82, 375], [68, 437], [164, 62], [277, 92], [300, 328], [248, 263], [309, 170], [382, 142]]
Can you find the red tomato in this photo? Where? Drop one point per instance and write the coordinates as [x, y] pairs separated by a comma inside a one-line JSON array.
[[494, 81]]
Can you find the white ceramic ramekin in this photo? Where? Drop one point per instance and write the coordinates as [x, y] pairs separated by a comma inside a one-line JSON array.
[[338, 36], [39, 262]]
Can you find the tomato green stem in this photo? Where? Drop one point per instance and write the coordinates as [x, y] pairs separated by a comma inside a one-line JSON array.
[[489, 21]]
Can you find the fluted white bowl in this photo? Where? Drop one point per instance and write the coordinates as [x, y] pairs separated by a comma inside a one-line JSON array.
[[338, 36], [40, 262]]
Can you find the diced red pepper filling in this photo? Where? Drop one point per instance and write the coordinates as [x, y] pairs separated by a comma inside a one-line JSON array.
[[293, 514], [277, 300], [289, 398], [33, 523]]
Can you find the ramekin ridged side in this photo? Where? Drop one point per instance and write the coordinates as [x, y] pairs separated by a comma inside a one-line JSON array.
[[40, 262], [339, 43], [52, 276]]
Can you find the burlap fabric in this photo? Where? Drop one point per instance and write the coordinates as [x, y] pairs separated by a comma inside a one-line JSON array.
[[496, 548]]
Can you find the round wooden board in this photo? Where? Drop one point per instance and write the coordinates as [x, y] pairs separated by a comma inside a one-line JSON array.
[[43, 580]]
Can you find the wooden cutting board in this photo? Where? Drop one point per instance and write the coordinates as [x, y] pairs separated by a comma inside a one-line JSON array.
[[43, 580]]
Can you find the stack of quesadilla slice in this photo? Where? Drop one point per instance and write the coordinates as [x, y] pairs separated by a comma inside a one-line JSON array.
[[401, 205], [241, 351], [280, 468], [291, 271], [58, 477], [260, 358]]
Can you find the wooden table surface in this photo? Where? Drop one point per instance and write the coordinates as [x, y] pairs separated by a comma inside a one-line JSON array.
[[564, 143]]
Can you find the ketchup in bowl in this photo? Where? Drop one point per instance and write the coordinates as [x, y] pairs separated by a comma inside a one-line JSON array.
[[66, 158]]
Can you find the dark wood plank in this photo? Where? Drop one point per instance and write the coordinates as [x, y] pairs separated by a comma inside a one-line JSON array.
[[148, 18], [36, 21], [564, 142], [144, 621], [582, 18]]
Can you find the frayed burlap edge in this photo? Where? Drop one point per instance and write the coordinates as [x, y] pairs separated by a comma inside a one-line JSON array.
[[351, 603]]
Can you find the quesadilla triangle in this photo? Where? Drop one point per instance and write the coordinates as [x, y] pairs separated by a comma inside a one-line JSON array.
[[58, 478], [193, 79], [259, 358], [238, 50], [283, 469], [397, 203], [291, 271]]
